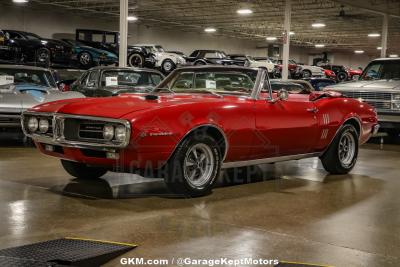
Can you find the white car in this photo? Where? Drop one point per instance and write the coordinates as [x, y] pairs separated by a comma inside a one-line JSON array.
[[166, 61], [308, 71], [254, 62]]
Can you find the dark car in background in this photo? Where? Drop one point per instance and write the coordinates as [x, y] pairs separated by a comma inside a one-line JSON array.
[[109, 41], [320, 83], [65, 77], [111, 81], [205, 57], [86, 57], [26, 47]]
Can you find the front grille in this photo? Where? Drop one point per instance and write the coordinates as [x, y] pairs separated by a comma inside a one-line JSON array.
[[380, 100], [369, 95], [10, 120], [80, 129]]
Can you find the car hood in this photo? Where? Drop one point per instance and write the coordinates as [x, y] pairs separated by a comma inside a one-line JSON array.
[[22, 97], [118, 106], [377, 85]]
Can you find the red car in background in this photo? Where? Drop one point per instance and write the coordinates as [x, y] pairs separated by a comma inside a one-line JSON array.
[[330, 74], [354, 74], [198, 120], [278, 68]]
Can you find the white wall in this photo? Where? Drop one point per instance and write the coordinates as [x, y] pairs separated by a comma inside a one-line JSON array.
[[54, 23]]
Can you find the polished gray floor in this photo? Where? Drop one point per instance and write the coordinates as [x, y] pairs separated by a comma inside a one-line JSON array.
[[295, 213]]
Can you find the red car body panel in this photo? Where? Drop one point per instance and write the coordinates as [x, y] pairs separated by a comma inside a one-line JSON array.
[[330, 74], [354, 73], [253, 128]]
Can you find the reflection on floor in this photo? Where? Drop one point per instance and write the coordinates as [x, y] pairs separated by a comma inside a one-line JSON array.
[[290, 211]]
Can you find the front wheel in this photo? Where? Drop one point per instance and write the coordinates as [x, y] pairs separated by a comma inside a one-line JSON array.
[[341, 155], [136, 60], [43, 56], [306, 74], [82, 171], [194, 167], [85, 59], [342, 76]]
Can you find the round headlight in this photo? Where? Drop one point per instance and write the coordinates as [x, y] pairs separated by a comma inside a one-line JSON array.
[[120, 133], [43, 125], [108, 132], [33, 124]]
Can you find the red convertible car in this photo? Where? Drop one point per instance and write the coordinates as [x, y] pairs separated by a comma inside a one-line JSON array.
[[198, 120]]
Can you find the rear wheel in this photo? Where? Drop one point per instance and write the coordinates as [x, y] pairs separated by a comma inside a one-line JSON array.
[[43, 56], [167, 66], [342, 76], [341, 155], [82, 171], [194, 167]]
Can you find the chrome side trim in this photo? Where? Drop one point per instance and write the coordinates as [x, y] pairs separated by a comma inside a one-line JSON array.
[[237, 164], [58, 134]]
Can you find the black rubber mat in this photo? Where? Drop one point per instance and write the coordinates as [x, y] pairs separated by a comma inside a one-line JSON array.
[[298, 264], [65, 251]]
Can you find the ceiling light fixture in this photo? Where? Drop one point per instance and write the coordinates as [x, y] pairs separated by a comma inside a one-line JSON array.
[[379, 48], [271, 38], [319, 45], [318, 25], [374, 35], [20, 1], [359, 51], [244, 11], [394, 55], [210, 30], [291, 33], [132, 18]]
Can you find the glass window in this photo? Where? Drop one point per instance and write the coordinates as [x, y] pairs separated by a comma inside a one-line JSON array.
[[382, 70], [212, 55], [32, 36], [97, 37], [183, 81], [122, 78], [92, 78], [84, 78], [110, 38], [226, 81], [37, 77]]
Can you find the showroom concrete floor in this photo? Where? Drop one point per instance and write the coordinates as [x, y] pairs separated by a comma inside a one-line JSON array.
[[298, 214]]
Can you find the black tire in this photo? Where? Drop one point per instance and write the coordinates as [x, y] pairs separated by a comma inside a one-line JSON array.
[[136, 60], [43, 56], [85, 59], [82, 171], [176, 178], [342, 76], [306, 74], [331, 160], [167, 66]]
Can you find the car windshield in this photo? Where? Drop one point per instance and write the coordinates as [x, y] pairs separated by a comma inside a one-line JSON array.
[[127, 78], [235, 82], [37, 77], [382, 70]]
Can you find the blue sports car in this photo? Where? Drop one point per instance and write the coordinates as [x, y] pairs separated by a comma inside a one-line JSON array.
[[88, 57]]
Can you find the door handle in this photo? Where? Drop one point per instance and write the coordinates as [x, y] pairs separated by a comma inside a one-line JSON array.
[[313, 110]]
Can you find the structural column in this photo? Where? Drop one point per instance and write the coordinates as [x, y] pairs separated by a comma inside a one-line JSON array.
[[384, 35], [123, 32], [286, 40]]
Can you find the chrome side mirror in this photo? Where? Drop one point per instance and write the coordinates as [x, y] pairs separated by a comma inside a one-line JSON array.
[[282, 95]]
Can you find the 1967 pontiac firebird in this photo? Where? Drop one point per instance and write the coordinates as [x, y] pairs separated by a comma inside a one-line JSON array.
[[198, 120]]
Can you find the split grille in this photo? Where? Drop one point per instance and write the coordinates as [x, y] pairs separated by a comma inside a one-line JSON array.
[[10, 119], [380, 101]]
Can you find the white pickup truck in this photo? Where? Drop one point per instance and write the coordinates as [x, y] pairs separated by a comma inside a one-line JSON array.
[[379, 85]]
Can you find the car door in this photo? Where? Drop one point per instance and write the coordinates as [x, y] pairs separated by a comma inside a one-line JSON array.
[[285, 127]]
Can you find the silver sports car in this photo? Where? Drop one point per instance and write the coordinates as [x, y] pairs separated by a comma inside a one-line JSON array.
[[22, 87]]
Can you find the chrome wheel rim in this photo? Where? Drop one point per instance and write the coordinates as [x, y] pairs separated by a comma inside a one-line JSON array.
[[85, 59], [167, 66], [347, 149], [135, 61], [306, 74], [43, 56], [198, 165]]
